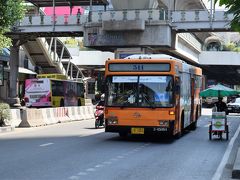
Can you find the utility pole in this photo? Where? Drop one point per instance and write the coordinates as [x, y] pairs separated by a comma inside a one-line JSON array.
[[211, 13], [54, 15], [90, 11]]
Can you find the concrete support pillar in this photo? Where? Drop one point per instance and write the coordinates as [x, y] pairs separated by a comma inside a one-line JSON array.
[[14, 64]]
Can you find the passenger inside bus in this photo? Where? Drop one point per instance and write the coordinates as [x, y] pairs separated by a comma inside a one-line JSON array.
[[149, 91], [146, 96]]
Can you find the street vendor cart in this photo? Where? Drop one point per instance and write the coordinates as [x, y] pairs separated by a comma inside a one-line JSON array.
[[218, 125]]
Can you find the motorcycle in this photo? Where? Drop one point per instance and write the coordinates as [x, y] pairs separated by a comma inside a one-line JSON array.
[[99, 116]]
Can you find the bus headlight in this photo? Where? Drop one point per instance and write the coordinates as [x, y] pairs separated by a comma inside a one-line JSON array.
[[112, 120], [164, 123]]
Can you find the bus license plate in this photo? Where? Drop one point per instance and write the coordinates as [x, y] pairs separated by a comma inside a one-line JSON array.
[[137, 130]]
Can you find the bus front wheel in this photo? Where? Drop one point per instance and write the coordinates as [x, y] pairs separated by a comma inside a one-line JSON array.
[[193, 126], [180, 133]]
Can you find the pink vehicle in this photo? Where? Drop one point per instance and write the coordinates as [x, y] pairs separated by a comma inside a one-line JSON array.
[[38, 92], [47, 92]]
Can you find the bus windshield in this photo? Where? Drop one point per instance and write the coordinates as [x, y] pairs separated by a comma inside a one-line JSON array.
[[140, 91]]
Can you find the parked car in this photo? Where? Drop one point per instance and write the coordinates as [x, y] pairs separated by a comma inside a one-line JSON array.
[[234, 106]]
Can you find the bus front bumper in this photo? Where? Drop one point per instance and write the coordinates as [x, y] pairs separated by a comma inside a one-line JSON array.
[[146, 130]]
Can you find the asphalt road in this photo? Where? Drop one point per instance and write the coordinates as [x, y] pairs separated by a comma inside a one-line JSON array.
[[72, 151]]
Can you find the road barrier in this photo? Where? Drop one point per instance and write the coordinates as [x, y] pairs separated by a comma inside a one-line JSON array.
[[50, 115], [15, 117], [61, 114], [72, 114], [46, 116], [32, 118]]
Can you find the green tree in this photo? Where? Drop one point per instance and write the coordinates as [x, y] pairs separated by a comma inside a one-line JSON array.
[[231, 46], [10, 12], [234, 7]]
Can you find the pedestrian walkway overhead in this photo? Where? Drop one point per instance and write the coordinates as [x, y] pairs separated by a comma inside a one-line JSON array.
[[180, 21], [201, 20], [47, 3], [104, 23], [43, 26]]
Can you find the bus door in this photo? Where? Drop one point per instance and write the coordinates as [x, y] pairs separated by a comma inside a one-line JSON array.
[[192, 99], [177, 103]]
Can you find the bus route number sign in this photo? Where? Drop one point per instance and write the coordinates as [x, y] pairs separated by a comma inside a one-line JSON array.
[[137, 67]]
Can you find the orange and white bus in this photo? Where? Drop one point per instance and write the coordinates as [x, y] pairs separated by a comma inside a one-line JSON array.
[[151, 94]]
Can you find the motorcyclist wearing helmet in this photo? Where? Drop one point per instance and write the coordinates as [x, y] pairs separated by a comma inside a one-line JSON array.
[[99, 114], [102, 100]]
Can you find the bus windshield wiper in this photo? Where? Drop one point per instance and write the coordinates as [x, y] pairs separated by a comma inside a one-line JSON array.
[[124, 104], [152, 105]]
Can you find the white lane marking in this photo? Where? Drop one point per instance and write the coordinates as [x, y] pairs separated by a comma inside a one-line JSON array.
[[91, 169], [105, 163], [74, 177], [82, 174], [47, 144], [226, 155], [98, 166]]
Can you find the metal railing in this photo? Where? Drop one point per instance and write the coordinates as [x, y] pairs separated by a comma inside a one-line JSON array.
[[173, 17], [53, 20]]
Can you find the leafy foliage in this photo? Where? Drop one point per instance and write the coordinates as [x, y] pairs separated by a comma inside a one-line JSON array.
[[234, 7], [5, 115], [10, 12], [231, 46]]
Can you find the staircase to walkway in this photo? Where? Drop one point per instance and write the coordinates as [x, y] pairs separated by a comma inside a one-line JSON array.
[[43, 54], [49, 54]]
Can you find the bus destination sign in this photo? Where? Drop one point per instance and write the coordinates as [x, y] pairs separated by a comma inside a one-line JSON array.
[[139, 67]]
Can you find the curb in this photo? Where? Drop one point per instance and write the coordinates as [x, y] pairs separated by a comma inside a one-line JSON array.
[[236, 166], [6, 129]]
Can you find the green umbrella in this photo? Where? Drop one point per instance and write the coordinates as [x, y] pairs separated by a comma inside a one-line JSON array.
[[218, 91]]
